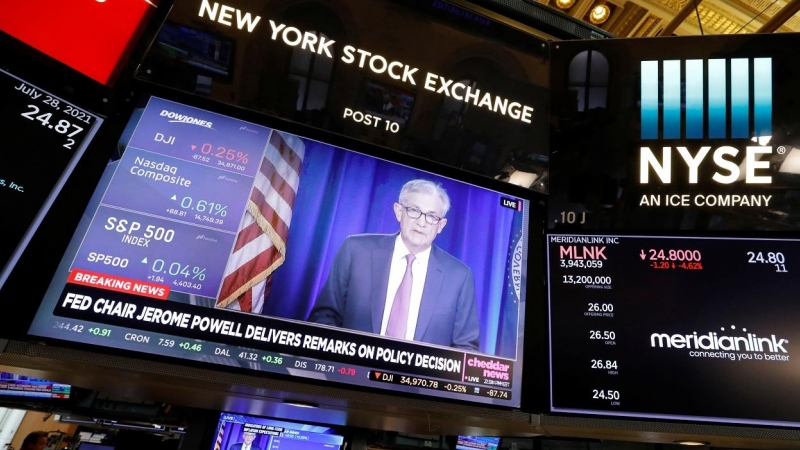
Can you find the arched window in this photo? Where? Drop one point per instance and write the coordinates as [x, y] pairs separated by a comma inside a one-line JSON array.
[[309, 71], [312, 74], [588, 78]]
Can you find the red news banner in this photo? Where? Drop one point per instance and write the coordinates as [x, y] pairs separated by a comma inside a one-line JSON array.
[[118, 284]]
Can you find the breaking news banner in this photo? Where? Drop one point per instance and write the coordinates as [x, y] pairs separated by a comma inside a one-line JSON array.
[[293, 337]]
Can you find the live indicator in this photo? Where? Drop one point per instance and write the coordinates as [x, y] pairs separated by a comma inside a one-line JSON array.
[[511, 203]]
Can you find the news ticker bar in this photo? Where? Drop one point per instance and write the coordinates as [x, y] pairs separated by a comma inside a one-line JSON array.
[[156, 341], [274, 335], [257, 359], [446, 386]]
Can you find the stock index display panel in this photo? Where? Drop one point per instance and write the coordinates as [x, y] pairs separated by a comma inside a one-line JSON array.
[[674, 327], [223, 241], [672, 226], [45, 136]]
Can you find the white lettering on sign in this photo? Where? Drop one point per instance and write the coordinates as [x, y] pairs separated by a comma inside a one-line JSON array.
[[293, 37], [722, 159], [224, 13], [314, 42]]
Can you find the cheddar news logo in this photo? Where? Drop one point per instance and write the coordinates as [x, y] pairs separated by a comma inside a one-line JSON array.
[[706, 98]]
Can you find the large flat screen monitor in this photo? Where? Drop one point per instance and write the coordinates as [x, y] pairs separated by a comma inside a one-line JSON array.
[[44, 138], [239, 431], [679, 328], [223, 241], [674, 185]]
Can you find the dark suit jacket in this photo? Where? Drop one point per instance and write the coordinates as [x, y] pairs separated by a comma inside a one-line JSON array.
[[354, 294], [238, 446]]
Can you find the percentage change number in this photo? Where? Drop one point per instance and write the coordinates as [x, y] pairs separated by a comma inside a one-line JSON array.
[[220, 152]]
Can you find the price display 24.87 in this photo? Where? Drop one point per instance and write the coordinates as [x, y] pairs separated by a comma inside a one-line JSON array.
[[674, 328], [44, 137]]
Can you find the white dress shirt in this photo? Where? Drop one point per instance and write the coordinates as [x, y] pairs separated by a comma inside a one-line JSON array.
[[419, 269]]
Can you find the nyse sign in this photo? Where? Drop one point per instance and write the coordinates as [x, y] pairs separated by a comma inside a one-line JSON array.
[[720, 157], [700, 99]]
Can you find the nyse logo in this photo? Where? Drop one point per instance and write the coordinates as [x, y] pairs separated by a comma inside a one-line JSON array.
[[709, 111]]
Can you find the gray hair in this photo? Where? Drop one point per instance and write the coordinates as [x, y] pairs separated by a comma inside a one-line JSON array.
[[425, 187]]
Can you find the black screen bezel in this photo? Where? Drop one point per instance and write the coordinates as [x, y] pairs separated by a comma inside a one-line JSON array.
[[49, 243]]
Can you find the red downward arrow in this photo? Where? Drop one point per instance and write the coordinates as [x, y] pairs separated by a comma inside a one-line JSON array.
[[194, 147], [377, 375]]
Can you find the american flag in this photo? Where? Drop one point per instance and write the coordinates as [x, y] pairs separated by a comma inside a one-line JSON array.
[[218, 442], [261, 240]]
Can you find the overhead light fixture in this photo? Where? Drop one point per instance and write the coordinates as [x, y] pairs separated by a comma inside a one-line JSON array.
[[300, 404], [564, 4], [762, 140], [599, 14], [524, 179], [791, 162], [692, 443]]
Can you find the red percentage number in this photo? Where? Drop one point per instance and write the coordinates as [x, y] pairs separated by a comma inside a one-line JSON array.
[[222, 153], [349, 371]]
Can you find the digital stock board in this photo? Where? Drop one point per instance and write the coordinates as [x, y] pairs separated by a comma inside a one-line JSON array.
[[668, 327], [672, 230]]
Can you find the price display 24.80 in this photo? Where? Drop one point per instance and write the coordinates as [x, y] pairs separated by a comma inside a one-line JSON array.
[[650, 326]]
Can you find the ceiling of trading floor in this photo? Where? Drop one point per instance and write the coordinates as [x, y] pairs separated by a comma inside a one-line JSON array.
[[642, 18]]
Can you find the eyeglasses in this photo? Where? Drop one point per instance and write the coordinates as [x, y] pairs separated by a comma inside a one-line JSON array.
[[415, 213]]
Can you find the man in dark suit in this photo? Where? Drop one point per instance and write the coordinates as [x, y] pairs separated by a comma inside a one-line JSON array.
[[247, 437], [401, 285]]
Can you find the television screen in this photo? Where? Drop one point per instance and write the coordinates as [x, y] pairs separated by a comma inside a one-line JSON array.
[[386, 102], [223, 241], [236, 431], [670, 327], [44, 137], [92, 37], [477, 443], [13, 385], [186, 47]]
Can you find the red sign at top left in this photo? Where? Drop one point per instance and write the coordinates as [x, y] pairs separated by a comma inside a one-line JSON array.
[[93, 37]]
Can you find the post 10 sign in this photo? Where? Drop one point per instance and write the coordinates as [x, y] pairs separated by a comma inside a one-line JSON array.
[[91, 36]]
